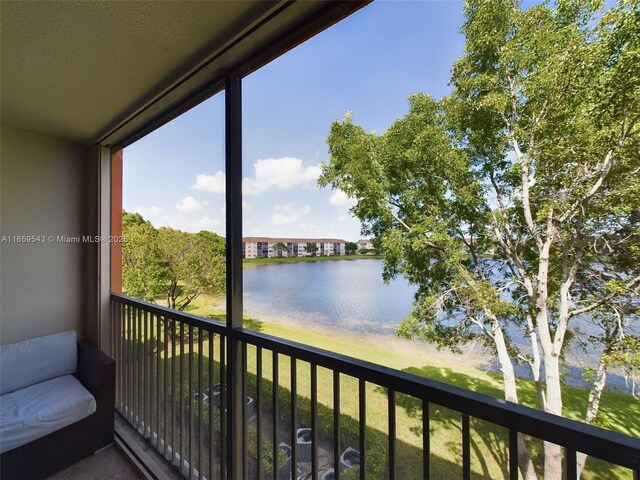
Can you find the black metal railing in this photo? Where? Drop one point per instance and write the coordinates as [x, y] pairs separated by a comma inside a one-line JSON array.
[[168, 367], [310, 413]]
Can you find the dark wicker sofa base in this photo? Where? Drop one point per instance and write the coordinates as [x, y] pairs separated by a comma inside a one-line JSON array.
[[46, 455]]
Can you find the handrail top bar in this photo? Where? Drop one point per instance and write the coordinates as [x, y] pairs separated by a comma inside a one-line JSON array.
[[607, 445], [206, 323]]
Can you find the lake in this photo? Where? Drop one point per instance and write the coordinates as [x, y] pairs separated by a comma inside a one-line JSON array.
[[345, 294]]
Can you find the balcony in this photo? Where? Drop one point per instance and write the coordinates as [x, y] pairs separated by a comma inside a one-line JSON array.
[[214, 400], [179, 386]]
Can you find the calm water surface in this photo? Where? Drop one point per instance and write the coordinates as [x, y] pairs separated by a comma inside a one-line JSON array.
[[347, 294]]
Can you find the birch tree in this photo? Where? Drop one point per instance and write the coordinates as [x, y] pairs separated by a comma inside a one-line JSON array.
[[514, 203]]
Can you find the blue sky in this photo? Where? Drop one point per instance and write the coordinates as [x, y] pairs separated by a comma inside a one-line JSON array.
[[367, 64]]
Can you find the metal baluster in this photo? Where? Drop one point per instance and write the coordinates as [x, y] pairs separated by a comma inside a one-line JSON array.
[[336, 424], [120, 358], [161, 432], [113, 314], [125, 362], [211, 406], [259, 409], [572, 467], [466, 448], [134, 366], [130, 364], [181, 378], [392, 433], [173, 391], [245, 407], [145, 376], [190, 400], [162, 336], [294, 415], [223, 406], [513, 454], [426, 441], [137, 364], [363, 427], [200, 401], [276, 415], [314, 421], [155, 377]]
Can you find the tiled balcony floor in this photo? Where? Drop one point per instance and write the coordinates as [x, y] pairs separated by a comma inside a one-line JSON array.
[[109, 464]]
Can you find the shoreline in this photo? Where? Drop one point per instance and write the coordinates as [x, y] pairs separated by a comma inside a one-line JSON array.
[[262, 261], [474, 358]]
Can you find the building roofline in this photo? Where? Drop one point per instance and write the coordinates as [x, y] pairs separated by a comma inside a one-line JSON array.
[[292, 240]]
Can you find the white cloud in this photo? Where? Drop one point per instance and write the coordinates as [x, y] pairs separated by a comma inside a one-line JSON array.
[[210, 183], [280, 219], [289, 213], [151, 211], [188, 205], [281, 174], [204, 223], [312, 229], [341, 199], [188, 222], [188, 215]]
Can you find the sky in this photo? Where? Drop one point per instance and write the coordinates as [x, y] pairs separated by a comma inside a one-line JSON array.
[[367, 64]]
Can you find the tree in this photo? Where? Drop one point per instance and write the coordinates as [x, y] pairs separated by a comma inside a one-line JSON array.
[[142, 267], [194, 265], [280, 246], [535, 157], [311, 249], [350, 248], [177, 265]]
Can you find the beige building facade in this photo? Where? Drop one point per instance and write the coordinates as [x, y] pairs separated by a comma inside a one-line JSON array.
[[261, 247]]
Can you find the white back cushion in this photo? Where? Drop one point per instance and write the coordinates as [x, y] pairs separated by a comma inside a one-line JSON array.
[[36, 360]]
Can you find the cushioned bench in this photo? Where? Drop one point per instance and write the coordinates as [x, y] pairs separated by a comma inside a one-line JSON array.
[[56, 404]]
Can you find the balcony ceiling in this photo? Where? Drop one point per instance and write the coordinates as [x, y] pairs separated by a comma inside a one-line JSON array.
[[85, 71]]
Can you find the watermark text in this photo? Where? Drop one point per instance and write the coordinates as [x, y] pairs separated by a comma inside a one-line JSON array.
[[62, 239]]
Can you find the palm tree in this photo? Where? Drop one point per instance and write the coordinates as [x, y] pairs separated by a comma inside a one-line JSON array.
[[279, 246]]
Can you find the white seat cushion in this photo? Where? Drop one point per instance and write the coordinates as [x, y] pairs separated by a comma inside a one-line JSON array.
[[41, 409]]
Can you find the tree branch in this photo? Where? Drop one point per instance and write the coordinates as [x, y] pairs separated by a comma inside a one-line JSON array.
[[523, 160], [393, 214], [601, 301]]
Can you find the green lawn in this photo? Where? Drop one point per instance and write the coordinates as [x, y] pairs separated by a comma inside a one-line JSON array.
[[489, 454]]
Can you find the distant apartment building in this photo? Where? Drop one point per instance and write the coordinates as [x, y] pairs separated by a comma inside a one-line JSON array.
[[259, 247], [365, 244]]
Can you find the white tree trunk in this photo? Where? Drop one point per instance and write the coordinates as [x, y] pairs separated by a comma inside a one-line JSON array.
[[511, 395], [553, 452], [551, 358], [537, 362], [594, 399]]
